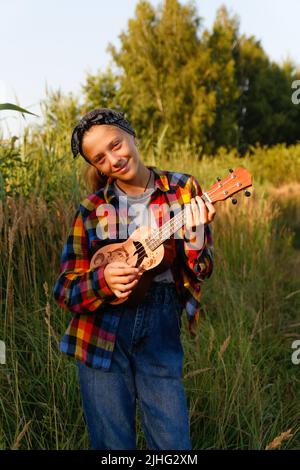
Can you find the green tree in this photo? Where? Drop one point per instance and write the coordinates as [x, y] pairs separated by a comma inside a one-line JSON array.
[[223, 47], [268, 115], [179, 84], [161, 64], [99, 91]]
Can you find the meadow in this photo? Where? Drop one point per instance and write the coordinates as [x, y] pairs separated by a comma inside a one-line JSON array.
[[241, 384]]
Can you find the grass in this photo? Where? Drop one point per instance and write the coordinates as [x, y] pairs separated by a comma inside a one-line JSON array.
[[247, 392], [241, 385]]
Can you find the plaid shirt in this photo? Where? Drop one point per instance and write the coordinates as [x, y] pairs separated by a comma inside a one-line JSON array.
[[91, 333]]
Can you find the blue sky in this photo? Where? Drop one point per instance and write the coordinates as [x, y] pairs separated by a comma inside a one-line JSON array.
[[56, 42]]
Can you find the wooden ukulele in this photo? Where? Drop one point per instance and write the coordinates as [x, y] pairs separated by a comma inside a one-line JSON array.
[[150, 249]]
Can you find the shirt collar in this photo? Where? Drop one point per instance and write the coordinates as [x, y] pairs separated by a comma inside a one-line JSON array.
[[160, 182]]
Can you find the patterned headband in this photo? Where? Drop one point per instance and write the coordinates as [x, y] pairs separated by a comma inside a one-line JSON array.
[[98, 116]]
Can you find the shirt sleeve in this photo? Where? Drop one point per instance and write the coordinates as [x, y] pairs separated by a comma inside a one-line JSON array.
[[78, 288], [200, 262]]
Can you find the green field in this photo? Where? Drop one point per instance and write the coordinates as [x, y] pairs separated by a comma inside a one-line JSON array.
[[242, 387]]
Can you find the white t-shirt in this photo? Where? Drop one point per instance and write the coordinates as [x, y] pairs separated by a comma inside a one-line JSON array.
[[140, 214]]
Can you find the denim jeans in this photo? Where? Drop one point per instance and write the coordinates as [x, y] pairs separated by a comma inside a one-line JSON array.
[[146, 368]]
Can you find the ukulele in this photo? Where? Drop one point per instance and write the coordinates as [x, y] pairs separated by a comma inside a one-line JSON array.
[[149, 249]]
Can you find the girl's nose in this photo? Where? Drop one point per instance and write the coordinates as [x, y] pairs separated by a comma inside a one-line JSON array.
[[113, 158], [115, 161]]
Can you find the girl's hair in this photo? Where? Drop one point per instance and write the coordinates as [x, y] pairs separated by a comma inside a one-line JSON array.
[[94, 180]]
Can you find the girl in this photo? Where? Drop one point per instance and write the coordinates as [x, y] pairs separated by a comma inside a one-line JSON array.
[[130, 352]]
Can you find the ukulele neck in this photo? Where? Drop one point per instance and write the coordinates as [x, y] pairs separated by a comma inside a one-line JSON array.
[[160, 235], [236, 181]]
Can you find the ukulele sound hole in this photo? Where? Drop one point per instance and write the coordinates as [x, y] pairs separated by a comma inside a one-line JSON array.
[[140, 252]]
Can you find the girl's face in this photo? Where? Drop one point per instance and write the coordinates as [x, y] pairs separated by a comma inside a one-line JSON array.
[[112, 151]]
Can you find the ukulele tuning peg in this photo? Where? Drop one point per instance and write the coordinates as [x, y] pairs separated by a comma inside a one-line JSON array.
[[233, 200], [230, 170], [247, 193]]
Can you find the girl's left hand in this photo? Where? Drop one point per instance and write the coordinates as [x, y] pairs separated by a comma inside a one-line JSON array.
[[199, 212]]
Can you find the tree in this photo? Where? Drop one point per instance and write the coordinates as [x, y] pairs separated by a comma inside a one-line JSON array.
[[100, 91], [159, 63], [178, 84], [223, 47], [269, 115]]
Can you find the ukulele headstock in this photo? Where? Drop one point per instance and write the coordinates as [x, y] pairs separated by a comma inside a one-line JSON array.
[[237, 180]]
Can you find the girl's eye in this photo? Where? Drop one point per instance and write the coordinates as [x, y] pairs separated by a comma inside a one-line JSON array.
[[116, 144]]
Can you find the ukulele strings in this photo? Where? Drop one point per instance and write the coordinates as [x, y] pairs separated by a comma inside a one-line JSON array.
[[165, 230]]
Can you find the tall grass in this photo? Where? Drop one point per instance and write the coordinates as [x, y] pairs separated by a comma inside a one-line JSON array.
[[246, 390], [241, 385]]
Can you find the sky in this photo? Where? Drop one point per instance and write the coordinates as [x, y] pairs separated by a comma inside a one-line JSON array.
[[54, 43]]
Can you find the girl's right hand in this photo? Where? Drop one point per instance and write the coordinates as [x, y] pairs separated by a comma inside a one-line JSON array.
[[121, 278]]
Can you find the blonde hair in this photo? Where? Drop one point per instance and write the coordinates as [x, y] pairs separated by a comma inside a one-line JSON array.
[[94, 180]]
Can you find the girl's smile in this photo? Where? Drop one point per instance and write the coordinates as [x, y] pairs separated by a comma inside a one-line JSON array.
[[123, 169]]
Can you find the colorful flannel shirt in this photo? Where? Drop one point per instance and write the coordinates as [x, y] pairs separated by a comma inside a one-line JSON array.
[[91, 332]]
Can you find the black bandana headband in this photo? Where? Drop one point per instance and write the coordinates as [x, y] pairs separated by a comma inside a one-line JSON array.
[[97, 116]]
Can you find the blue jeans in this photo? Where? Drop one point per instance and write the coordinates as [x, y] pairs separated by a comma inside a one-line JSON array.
[[146, 367]]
